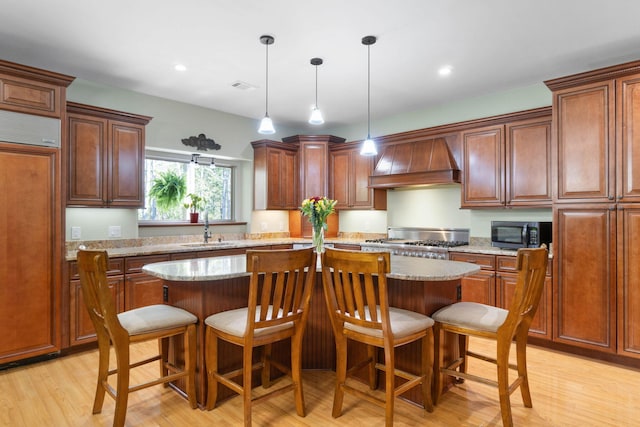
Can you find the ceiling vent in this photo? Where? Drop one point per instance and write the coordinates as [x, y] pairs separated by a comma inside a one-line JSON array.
[[243, 85]]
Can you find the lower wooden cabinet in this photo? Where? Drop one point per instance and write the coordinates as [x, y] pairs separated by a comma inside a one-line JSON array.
[[495, 284], [479, 287], [142, 289], [506, 280], [81, 328], [131, 287]]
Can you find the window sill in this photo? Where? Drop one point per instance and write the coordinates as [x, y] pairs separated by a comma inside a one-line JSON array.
[[142, 224]]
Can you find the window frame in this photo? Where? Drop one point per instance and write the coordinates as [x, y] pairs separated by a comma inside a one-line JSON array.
[[183, 157]]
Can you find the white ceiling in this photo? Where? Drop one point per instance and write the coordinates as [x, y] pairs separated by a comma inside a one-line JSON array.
[[491, 44]]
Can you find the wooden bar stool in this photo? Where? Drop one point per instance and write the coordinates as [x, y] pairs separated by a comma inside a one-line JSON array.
[[359, 311], [467, 319], [159, 322], [279, 293]]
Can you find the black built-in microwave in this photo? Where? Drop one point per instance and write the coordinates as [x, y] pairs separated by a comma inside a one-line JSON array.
[[519, 234]]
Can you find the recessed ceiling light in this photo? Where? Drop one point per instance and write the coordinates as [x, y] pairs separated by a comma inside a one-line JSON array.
[[445, 70], [180, 67]]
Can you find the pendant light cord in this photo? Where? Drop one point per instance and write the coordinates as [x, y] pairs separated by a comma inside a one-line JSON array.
[[368, 91], [316, 87], [266, 98]]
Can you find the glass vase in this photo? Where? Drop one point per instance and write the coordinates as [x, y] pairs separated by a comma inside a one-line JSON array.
[[318, 239]]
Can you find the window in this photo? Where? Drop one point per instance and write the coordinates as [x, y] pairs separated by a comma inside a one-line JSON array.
[[213, 184]]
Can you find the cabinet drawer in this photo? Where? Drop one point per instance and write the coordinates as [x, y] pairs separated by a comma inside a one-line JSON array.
[[135, 264], [115, 267], [485, 262], [508, 264]]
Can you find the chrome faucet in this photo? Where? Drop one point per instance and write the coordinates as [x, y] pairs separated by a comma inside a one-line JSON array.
[[207, 233]]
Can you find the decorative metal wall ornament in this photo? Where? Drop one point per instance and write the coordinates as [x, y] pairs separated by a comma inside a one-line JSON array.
[[201, 142]]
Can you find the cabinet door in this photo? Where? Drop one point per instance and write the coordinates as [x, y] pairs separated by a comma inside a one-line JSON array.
[[584, 276], [340, 170], [479, 287], [81, 327], [30, 96], [483, 159], [584, 143], [125, 169], [314, 159], [289, 180], [541, 324], [87, 159], [629, 281], [30, 253], [142, 290], [528, 163], [627, 117]]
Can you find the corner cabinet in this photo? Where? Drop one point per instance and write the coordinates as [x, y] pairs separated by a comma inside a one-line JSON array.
[[275, 173], [349, 179], [508, 165], [105, 157]]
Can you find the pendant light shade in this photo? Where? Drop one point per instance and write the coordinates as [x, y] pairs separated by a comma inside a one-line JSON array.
[[266, 125], [368, 146], [316, 114]]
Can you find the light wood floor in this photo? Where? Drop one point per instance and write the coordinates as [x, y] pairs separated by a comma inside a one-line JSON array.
[[566, 391]]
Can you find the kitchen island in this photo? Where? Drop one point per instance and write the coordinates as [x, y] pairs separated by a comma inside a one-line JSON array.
[[206, 286]]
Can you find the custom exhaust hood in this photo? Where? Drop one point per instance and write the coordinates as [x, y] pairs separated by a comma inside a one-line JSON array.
[[414, 164]]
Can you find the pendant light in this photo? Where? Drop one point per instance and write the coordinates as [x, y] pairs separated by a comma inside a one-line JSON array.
[[316, 114], [266, 125], [368, 146]]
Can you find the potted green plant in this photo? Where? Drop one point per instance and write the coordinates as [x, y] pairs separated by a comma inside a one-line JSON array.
[[194, 204], [168, 190]]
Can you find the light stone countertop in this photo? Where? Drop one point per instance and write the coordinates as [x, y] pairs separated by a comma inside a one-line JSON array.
[[226, 267]]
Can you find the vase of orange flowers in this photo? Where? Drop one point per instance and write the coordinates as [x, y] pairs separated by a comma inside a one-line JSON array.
[[317, 209]]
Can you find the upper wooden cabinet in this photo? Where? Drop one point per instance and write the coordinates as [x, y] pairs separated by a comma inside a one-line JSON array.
[[595, 143], [275, 172], [105, 161], [33, 91], [508, 165], [349, 179], [313, 152]]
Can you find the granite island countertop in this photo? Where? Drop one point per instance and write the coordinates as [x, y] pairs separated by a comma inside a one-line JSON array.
[[225, 267]]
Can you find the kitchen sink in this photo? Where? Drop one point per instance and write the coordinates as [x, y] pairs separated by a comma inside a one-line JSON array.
[[208, 244]]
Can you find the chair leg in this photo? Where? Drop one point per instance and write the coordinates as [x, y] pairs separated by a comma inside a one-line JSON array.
[[104, 347], [503, 383], [211, 354], [122, 386], [389, 375], [163, 349], [190, 364], [438, 361], [521, 355], [372, 352], [463, 347], [266, 366], [427, 371], [247, 362], [296, 372], [341, 375]]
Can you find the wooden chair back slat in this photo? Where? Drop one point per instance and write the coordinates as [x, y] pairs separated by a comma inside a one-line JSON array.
[[280, 287], [355, 297]]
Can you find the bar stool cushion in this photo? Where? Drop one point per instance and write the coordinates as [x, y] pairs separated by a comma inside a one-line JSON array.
[[234, 322], [154, 317], [403, 323], [472, 315]]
